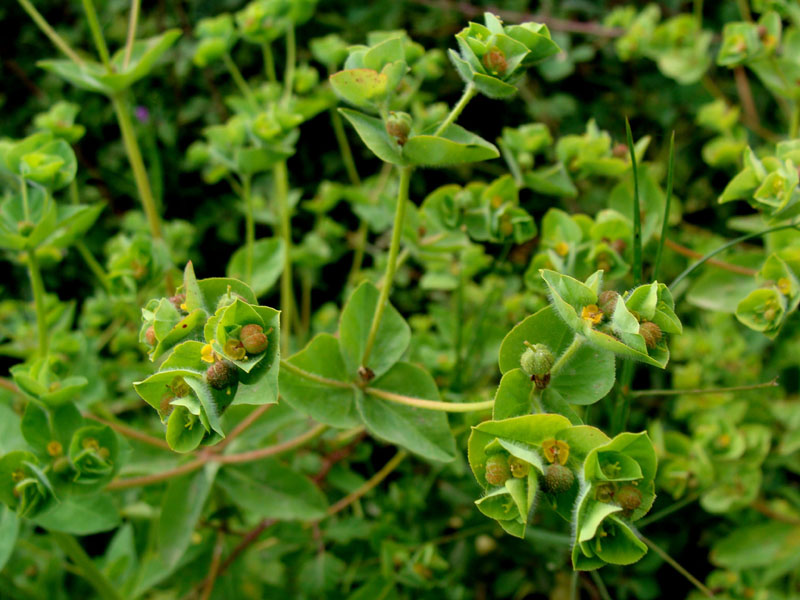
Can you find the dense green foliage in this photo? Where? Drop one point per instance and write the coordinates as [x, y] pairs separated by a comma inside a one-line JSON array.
[[400, 300]]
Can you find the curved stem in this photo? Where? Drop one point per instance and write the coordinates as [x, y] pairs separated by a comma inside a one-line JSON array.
[[391, 264], [794, 125], [690, 269], [723, 390], [361, 234], [287, 300], [56, 39], [134, 18], [371, 483], [269, 61], [95, 267], [674, 564], [455, 407], [239, 80], [129, 432], [250, 228], [665, 223], [344, 147], [469, 94], [121, 109], [70, 546], [97, 34], [637, 213], [26, 209], [314, 377], [291, 57], [38, 300], [577, 342]]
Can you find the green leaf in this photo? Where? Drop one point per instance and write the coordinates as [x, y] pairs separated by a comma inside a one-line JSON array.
[[513, 396], [373, 133], [268, 256], [81, 515], [269, 490], [181, 508], [454, 146], [364, 88], [391, 340], [421, 431], [9, 529], [331, 405]]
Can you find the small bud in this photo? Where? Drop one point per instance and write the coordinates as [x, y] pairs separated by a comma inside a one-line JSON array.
[[178, 301], [519, 468], [651, 333], [253, 338], [150, 336], [398, 125], [495, 61], [537, 359], [497, 471], [557, 479], [629, 498], [222, 374], [607, 301]]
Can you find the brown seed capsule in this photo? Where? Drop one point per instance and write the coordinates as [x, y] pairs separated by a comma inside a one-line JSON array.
[[495, 61], [497, 470], [150, 336], [607, 301], [398, 125], [222, 374], [557, 479], [629, 498], [178, 300], [651, 333], [253, 338]]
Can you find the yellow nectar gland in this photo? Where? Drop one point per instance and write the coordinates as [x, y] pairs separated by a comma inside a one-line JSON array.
[[562, 248], [54, 448], [90, 443], [555, 450], [592, 314], [208, 354], [784, 286]]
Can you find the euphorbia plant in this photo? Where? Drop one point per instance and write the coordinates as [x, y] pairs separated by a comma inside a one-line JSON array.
[[492, 295]]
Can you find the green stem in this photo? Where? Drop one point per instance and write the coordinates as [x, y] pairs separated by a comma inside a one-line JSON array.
[[511, 161], [134, 18], [239, 80], [665, 223], [637, 213], [622, 405], [269, 61], [437, 405], [282, 191], [56, 39], [698, 12], [97, 34], [83, 249], [535, 398], [601, 587], [38, 300], [361, 234], [391, 264], [573, 586], [690, 269], [459, 328], [723, 390], [469, 94], [26, 210], [794, 126], [674, 507], [344, 148], [577, 342], [70, 546], [250, 228], [675, 565], [744, 9], [291, 57], [121, 108], [95, 267]]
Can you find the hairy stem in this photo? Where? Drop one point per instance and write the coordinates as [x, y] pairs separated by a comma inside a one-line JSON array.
[[269, 61], [291, 58], [70, 546], [239, 80], [371, 483], [469, 94], [723, 390], [577, 342], [344, 147], [456, 407], [675, 565], [391, 264]]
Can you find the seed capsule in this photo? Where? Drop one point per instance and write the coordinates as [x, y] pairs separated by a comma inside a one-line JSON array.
[[651, 333], [253, 338], [497, 470], [222, 374], [557, 479]]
